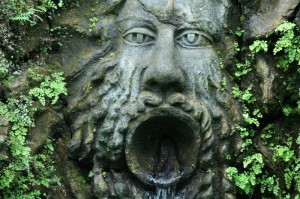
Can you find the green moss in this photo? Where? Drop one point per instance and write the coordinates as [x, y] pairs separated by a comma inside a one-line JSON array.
[[79, 182]]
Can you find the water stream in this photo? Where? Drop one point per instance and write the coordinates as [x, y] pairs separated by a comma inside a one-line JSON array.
[[165, 193], [167, 170]]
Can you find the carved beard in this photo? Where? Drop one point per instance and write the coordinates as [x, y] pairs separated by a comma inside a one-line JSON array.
[[124, 101], [111, 98]]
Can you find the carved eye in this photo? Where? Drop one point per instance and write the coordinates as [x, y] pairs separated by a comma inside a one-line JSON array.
[[193, 39], [139, 36]]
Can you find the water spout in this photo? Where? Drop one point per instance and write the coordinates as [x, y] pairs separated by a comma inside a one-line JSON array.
[[161, 148]]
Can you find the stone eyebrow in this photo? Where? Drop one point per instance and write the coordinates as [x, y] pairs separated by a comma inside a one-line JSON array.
[[132, 22], [210, 27]]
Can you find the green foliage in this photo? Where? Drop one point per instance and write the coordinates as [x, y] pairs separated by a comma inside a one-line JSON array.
[[248, 179], [267, 133], [254, 172], [258, 46], [223, 84], [93, 21], [51, 89], [289, 45], [244, 96], [27, 17], [22, 174], [4, 66], [286, 154], [251, 118], [34, 75], [239, 32], [287, 110], [243, 69], [280, 178], [287, 48], [28, 11]]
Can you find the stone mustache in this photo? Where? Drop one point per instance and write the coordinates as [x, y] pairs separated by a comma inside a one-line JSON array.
[[146, 109]]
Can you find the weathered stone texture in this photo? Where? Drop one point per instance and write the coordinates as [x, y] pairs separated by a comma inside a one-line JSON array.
[[4, 125], [263, 19]]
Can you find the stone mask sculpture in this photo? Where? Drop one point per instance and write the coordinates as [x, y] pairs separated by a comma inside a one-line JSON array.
[[146, 109]]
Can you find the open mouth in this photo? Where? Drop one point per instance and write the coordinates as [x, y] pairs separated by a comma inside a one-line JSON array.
[[162, 146]]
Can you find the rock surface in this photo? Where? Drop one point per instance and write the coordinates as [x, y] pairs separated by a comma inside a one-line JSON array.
[[262, 20], [4, 126]]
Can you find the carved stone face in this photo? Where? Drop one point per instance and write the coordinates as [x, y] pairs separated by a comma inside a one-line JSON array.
[[157, 118], [171, 59]]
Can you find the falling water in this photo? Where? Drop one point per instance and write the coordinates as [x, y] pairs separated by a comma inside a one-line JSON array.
[[165, 193], [167, 171]]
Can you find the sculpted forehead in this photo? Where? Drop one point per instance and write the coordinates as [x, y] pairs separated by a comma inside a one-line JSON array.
[[209, 15]]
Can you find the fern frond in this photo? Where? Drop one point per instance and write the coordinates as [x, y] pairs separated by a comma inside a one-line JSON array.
[[24, 17]]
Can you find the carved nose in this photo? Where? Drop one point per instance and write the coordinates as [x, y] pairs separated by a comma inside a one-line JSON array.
[[162, 71]]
